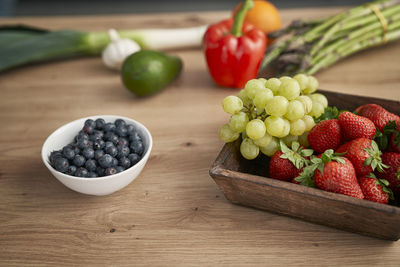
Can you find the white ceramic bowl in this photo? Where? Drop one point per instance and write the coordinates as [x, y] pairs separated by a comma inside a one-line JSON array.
[[101, 185]]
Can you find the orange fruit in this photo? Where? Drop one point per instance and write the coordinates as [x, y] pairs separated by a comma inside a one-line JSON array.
[[263, 15]]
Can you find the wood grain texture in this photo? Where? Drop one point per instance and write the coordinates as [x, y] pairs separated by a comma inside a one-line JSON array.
[[243, 182], [174, 213]]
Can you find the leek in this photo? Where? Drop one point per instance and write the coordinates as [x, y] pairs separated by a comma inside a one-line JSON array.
[[21, 45]]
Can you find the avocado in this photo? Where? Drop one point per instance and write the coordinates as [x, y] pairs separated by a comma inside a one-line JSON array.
[[147, 72]]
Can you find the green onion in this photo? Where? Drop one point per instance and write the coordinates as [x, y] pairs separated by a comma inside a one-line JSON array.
[[20, 45]]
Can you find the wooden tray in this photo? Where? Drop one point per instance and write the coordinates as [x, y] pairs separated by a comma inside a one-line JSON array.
[[245, 183]]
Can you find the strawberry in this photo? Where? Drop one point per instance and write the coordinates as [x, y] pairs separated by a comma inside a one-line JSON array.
[[392, 174], [287, 163], [364, 154], [325, 135], [377, 114], [375, 189], [336, 174], [354, 126], [394, 143]]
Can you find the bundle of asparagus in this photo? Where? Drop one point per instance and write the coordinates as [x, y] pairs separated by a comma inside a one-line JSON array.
[[308, 46]]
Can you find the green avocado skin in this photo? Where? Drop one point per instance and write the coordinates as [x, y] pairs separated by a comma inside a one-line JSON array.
[[147, 72]]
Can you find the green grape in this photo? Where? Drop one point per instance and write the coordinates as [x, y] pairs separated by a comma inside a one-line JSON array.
[[263, 80], [252, 87], [309, 122], [242, 95], [238, 122], [312, 85], [255, 129], [303, 139], [288, 140], [307, 102], [277, 106], [286, 128], [289, 89], [263, 141], [317, 109], [295, 110], [262, 97], [248, 149], [285, 78], [297, 127], [273, 84], [275, 126], [226, 134], [319, 98], [302, 79], [271, 148], [232, 104]]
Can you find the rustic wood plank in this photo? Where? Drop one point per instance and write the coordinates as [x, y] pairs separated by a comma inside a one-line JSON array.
[[173, 214]]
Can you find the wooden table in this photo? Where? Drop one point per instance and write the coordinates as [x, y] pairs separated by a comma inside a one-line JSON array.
[[173, 214]]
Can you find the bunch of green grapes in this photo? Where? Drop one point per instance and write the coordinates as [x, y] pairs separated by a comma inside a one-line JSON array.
[[268, 110]]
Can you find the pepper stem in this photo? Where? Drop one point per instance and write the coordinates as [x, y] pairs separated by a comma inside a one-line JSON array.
[[239, 17]]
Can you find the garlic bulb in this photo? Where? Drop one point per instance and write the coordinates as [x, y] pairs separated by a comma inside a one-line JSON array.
[[117, 50]]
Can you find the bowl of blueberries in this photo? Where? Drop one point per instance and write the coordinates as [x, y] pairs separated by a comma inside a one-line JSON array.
[[97, 155]]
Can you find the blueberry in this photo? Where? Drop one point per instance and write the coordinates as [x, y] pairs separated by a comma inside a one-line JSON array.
[[109, 127], [81, 135], [61, 164], [134, 137], [96, 135], [123, 141], [120, 169], [88, 129], [134, 158], [98, 154], [100, 123], [71, 170], [112, 150], [88, 153], [92, 175], [54, 155], [68, 152], [114, 162], [130, 128], [110, 171], [81, 172], [91, 165], [121, 131], [108, 144], [99, 144], [83, 143], [137, 147], [90, 122], [124, 162], [105, 161], [119, 122], [100, 171], [123, 151], [79, 160]]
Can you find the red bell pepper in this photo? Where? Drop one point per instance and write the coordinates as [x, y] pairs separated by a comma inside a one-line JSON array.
[[234, 49]]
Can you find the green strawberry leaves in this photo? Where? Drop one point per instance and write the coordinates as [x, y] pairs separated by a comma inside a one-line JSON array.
[[384, 184], [297, 155], [382, 138], [306, 176], [329, 113], [374, 160]]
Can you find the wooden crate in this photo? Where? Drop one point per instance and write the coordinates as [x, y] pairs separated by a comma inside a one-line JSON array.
[[245, 183]]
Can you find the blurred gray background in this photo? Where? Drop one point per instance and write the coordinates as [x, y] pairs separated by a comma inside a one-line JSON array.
[[81, 7]]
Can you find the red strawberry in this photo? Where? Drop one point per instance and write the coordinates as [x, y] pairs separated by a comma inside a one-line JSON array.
[[375, 189], [325, 135], [392, 174], [394, 142], [288, 163], [377, 114], [337, 174], [364, 154], [354, 126]]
